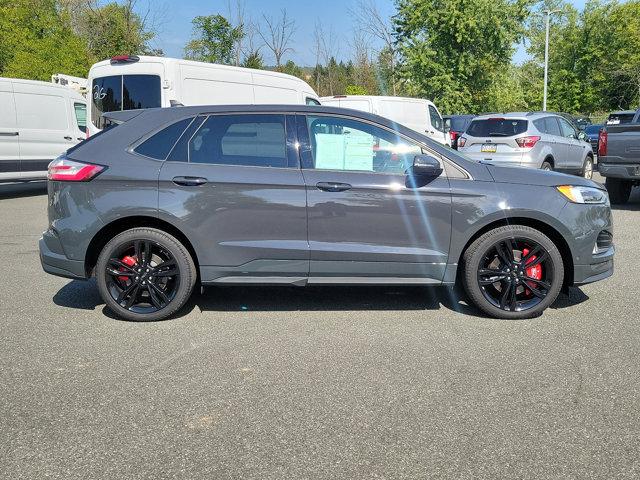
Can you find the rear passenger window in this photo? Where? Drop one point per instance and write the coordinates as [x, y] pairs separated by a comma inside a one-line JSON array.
[[160, 144], [248, 140], [552, 127]]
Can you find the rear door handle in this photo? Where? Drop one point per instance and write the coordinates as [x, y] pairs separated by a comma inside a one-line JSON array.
[[189, 181], [333, 186], [68, 137], [9, 134]]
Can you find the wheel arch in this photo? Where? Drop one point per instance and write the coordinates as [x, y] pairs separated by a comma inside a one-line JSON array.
[[120, 225], [550, 231]]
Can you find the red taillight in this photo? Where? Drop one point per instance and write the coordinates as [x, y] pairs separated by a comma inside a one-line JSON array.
[[125, 59], [453, 135], [462, 141], [602, 143], [65, 170], [527, 142]]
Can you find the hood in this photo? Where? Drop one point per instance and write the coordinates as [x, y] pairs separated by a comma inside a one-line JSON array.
[[530, 176]]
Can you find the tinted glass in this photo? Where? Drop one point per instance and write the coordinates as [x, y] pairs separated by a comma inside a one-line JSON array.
[[616, 118], [160, 144], [592, 129], [436, 119], [128, 92], [80, 110], [459, 124], [552, 127], [249, 140], [567, 129], [345, 144], [140, 91], [106, 95], [312, 101], [497, 127]]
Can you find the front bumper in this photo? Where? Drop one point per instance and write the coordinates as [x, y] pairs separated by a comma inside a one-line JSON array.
[[54, 260], [594, 272]]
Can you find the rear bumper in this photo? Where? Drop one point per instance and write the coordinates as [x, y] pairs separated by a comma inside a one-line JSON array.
[[619, 170], [55, 262]]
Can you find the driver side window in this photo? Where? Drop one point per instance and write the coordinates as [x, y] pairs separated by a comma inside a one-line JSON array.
[[344, 144]]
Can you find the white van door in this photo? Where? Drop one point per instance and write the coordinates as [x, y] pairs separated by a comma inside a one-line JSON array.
[[9, 139], [43, 123], [436, 129]]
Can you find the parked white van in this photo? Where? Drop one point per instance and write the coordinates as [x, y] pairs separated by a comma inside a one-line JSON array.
[[130, 82], [415, 113], [38, 121]]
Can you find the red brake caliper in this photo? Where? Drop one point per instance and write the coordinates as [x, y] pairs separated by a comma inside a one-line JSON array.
[[532, 272], [130, 262]]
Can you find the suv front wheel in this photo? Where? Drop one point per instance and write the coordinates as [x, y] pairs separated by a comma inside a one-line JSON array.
[[513, 272], [145, 274]]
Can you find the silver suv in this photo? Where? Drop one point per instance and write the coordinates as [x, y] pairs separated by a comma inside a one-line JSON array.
[[534, 140]]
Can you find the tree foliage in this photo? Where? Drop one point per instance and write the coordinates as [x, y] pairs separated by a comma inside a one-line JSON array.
[[214, 39], [451, 50]]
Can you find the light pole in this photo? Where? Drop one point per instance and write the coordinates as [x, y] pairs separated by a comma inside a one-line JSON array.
[[548, 14]]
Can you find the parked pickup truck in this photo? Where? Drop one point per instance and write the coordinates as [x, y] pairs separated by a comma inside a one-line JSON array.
[[619, 158]]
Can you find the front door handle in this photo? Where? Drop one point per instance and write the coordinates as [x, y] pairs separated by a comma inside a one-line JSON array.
[[68, 137], [333, 186], [189, 181]]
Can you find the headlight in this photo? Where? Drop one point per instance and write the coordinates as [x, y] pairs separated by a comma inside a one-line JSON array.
[[583, 194]]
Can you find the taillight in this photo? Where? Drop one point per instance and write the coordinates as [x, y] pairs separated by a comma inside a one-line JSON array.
[[453, 135], [527, 142], [64, 170], [602, 143], [462, 141]]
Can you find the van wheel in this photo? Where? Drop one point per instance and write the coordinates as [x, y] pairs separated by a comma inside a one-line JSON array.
[[145, 274], [546, 165], [513, 272], [619, 190], [587, 168]]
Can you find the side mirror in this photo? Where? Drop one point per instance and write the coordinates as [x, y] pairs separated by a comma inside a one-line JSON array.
[[425, 166], [582, 136]]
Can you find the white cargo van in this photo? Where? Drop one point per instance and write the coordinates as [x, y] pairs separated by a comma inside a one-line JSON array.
[[38, 122], [130, 82], [416, 113]]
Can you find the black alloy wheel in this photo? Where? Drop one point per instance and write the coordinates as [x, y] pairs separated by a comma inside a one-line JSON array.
[[513, 272], [145, 274]]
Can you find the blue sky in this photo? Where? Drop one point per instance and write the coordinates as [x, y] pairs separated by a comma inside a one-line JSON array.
[[175, 29]]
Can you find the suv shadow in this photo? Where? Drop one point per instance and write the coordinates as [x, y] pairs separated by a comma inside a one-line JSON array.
[[84, 295]]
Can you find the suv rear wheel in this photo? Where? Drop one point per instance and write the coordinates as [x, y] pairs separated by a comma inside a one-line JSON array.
[[546, 165], [513, 272], [145, 274]]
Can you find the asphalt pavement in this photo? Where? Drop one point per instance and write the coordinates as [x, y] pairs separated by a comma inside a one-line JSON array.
[[327, 383]]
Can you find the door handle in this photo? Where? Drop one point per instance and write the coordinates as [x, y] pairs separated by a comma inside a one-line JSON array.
[[9, 134], [80, 138], [68, 137], [333, 186], [189, 181]]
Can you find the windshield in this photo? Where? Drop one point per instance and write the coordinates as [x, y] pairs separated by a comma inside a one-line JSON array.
[[497, 127], [123, 92]]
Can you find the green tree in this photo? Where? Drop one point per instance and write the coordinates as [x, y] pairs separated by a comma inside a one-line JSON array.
[[290, 68], [36, 41], [355, 90], [214, 39], [450, 50], [253, 60]]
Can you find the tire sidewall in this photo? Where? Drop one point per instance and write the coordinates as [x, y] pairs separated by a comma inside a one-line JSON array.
[[168, 242], [587, 161], [476, 252]]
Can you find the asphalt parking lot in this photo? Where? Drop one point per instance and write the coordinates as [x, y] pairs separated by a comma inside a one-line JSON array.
[[260, 383]]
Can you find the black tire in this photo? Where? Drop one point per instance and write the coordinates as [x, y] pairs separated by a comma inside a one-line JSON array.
[[160, 244], [587, 168], [480, 252], [619, 190], [546, 165]]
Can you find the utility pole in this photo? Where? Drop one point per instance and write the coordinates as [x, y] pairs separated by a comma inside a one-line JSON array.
[[547, 14]]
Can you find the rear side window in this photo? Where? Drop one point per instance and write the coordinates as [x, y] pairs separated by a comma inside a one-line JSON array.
[[247, 140], [160, 144], [497, 127], [312, 101], [552, 127], [458, 124]]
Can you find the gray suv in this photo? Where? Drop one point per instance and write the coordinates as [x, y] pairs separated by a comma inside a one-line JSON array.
[[297, 195], [534, 140]]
